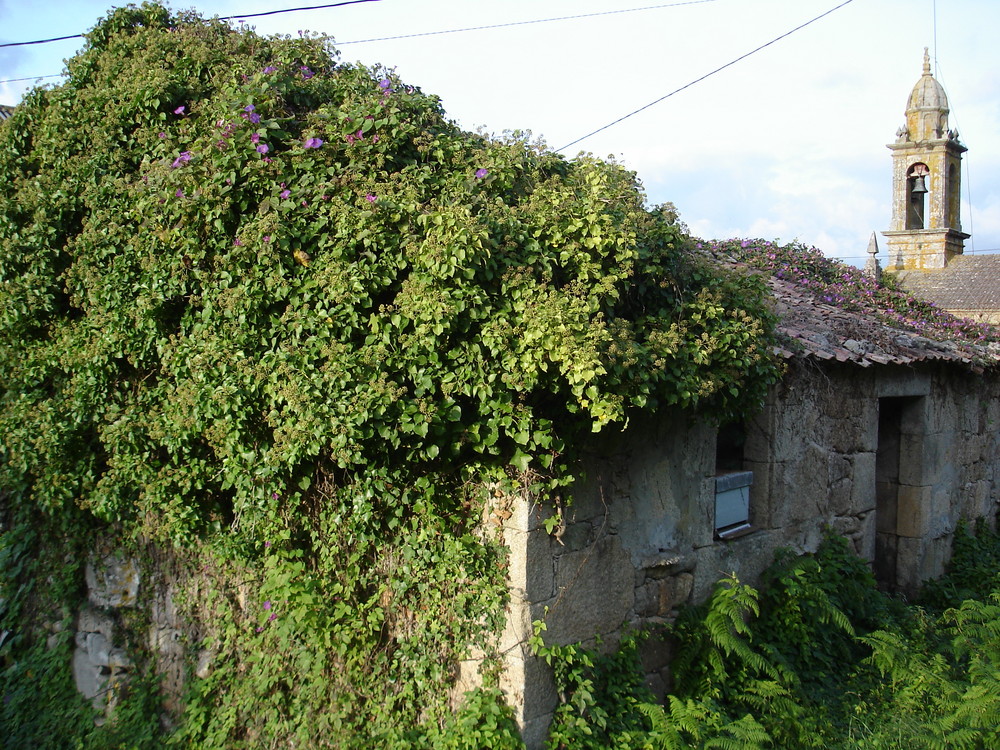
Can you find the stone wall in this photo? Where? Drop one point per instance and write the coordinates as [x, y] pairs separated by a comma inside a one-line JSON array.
[[891, 458], [639, 539]]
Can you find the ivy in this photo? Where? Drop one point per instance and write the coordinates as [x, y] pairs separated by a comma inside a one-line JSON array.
[[278, 311]]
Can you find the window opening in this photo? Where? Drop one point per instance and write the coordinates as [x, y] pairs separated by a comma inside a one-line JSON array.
[[732, 483], [916, 191]]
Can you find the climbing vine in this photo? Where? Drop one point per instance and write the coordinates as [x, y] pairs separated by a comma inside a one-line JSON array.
[[279, 309]]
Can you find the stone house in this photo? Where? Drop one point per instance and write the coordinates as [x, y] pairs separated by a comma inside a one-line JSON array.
[[886, 437]]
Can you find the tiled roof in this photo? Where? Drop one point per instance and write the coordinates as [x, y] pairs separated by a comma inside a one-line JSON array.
[[813, 324], [968, 283], [5, 111], [815, 329]]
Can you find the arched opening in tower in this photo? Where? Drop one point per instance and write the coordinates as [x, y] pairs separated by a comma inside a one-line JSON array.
[[916, 194]]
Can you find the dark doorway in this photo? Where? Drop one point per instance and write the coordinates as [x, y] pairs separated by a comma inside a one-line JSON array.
[[899, 431]]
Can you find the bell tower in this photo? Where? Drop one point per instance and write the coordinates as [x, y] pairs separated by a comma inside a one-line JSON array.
[[926, 229]]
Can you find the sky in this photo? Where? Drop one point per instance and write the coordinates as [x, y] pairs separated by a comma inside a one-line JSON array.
[[788, 143]]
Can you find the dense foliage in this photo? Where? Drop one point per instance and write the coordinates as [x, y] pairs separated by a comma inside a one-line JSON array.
[[281, 312], [818, 658]]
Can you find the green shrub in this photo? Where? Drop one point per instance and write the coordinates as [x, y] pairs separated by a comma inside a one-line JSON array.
[[280, 312]]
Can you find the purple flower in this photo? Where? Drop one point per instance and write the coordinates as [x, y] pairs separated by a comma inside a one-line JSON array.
[[162, 134], [267, 238], [313, 143], [306, 73], [481, 173], [254, 118], [255, 138], [249, 108], [263, 148], [184, 158], [273, 617], [179, 193], [270, 69], [371, 197], [385, 84], [267, 604], [237, 242], [284, 194], [179, 110]]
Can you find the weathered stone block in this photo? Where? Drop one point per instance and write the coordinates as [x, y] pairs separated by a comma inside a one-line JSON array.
[[863, 485], [919, 458], [913, 511], [647, 599], [865, 542], [530, 566], [594, 592], [112, 581]]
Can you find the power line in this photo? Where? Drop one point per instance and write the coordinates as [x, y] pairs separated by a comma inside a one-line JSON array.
[[707, 75], [31, 78], [292, 10], [221, 18], [400, 36], [523, 23]]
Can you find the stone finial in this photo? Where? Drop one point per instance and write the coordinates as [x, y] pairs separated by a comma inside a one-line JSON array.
[[927, 62], [872, 268]]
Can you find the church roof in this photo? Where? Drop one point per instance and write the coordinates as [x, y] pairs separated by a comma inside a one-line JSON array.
[[5, 111], [969, 283]]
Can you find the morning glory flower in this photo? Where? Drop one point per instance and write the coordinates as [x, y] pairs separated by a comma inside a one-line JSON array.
[[306, 73], [371, 197], [184, 158], [249, 108], [255, 138], [284, 194], [313, 143], [385, 84], [481, 173], [263, 148], [179, 193], [270, 69], [254, 118], [179, 110], [267, 604]]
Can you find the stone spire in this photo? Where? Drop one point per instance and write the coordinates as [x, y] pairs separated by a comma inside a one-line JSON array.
[[872, 268]]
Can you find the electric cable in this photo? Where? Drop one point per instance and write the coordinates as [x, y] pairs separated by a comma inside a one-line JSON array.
[[389, 38], [707, 75], [221, 18], [523, 23]]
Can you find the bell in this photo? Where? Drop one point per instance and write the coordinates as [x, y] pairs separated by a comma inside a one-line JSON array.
[[918, 184]]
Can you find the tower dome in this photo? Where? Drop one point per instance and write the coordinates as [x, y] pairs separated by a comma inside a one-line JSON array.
[[927, 108]]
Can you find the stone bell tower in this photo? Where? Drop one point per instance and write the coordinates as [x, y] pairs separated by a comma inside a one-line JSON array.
[[926, 229]]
